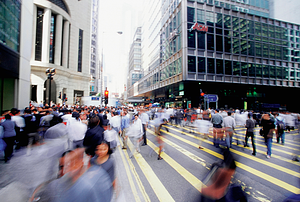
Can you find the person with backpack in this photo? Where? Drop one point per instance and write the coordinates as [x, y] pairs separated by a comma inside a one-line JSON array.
[[280, 128]]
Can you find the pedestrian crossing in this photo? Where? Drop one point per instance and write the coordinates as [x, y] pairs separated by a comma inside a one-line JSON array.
[[184, 166]]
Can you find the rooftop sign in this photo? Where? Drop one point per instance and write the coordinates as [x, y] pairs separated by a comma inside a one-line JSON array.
[[199, 27]]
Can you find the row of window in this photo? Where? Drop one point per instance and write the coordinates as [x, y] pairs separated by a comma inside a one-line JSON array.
[[257, 3], [172, 69], [211, 42], [234, 68], [10, 23], [39, 38], [237, 24]]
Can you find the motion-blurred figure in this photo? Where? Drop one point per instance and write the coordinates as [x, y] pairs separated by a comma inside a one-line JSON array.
[[218, 188]]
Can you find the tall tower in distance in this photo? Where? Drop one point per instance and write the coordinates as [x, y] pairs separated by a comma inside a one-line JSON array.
[[95, 69]]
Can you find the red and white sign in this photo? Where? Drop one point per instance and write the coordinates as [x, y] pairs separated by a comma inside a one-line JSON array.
[[199, 27]]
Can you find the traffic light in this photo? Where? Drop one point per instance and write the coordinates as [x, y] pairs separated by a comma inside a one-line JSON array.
[[106, 96], [201, 96]]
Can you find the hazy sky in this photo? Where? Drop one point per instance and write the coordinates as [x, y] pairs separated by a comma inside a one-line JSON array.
[[114, 16]]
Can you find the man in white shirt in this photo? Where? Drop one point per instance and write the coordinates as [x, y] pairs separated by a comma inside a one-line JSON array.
[[21, 138], [229, 125], [76, 131], [145, 120], [115, 122]]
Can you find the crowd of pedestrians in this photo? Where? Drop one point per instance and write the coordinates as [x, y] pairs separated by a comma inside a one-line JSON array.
[[76, 143]]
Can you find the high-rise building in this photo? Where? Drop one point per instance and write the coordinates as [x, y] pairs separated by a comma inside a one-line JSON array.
[[15, 45], [95, 67], [61, 40], [135, 71], [245, 58]]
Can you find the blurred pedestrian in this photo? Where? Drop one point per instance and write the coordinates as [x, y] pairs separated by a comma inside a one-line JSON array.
[[93, 135], [250, 124], [280, 128], [9, 136], [268, 128], [135, 132], [229, 126], [217, 121], [124, 127], [76, 131], [104, 159], [145, 120]]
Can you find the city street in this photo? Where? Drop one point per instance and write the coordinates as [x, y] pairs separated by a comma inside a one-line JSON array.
[[178, 177]]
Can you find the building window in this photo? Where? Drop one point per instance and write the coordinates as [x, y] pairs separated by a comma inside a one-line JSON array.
[[201, 65], [191, 39], [190, 14], [191, 64], [39, 34], [228, 67], [201, 40], [219, 43], [244, 69], [52, 39], [201, 16], [79, 68], [210, 42], [60, 3], [219, 66], [236, 68], [210, 65]]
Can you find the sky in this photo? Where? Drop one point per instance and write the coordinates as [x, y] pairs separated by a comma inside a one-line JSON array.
[[117, 16]]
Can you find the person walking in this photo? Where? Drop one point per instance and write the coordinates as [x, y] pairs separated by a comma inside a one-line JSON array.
[[250, 124], [76, 131], [229, 125], [9, 135], [217, 121], [145, 120], [280, 128], [268, 127], [124, 127], [136, 131]]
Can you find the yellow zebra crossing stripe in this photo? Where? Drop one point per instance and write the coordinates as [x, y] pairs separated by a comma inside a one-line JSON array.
[[133, 189], [157, 186], [257, 150], [253, 171]]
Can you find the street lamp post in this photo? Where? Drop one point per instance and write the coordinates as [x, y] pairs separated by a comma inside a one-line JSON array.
[[50, 73]]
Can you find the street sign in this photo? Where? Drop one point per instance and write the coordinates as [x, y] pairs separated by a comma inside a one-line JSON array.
[[211, 97]]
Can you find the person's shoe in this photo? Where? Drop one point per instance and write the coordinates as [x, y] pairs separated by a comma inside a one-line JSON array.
[[254, 154], [159, 158], [201, 147], [144, 144], [268, 156], [295, 159], [124, 147]]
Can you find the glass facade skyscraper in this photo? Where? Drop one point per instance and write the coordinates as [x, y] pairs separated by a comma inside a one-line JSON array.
[[228, 48]]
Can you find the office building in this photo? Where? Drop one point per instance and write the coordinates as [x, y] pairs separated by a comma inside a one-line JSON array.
[[15, 46], [61, 39], [135, 71], [95, 67], [248, 60]]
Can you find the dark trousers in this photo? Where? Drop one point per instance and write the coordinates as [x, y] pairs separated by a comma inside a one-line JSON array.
[[250, 134], [10, 141], [144, 134]]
